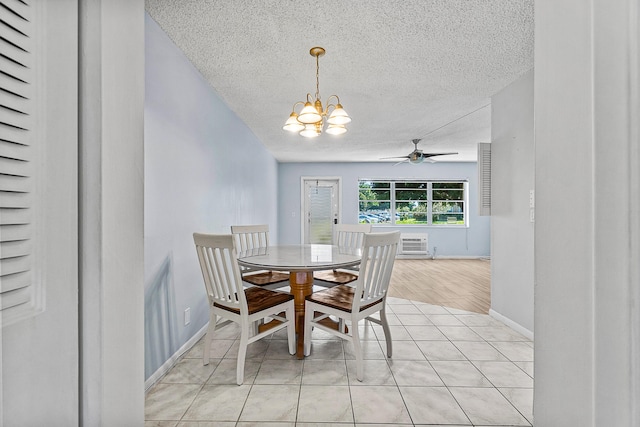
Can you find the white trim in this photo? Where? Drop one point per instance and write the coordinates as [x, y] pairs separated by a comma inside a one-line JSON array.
[[171, 361], [510, 323], [482, 257]]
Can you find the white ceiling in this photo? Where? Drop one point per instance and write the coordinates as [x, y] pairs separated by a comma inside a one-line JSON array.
[[403, 69]]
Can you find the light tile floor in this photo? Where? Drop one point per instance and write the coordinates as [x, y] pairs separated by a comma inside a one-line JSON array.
[[449, 367]]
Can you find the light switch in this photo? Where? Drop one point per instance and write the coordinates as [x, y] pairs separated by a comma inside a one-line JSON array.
[[532, 199]]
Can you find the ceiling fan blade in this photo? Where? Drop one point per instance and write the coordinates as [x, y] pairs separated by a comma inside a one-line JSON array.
[[396, 157], [400, 162], [425, 155]]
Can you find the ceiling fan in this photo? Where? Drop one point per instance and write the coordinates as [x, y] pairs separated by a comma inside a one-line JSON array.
[[417, 156]]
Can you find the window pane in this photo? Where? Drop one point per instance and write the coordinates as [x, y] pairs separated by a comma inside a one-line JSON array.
[[374, 205], [411, 194], [438, 185], [374, 190], [374, 212], [411, 213], [448, 213], [411, 191], [401, 185]]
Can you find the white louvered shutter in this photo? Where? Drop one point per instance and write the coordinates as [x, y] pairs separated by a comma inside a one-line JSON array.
[[484, 178], [17, 290]]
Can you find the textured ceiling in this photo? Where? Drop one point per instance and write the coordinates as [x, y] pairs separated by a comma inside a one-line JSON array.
[[403, 69]]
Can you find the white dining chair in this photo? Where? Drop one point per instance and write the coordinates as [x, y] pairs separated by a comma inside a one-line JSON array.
[[352, 304], [249, 237], [348, 236], [229, 299]]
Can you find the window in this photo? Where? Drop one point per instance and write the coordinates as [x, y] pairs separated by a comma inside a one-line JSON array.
[[430, 203]]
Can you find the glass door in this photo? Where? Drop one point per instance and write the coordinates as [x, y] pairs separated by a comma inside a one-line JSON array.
[[321, 210]]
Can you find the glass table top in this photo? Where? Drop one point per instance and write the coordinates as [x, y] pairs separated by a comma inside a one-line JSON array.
[[300, 257]]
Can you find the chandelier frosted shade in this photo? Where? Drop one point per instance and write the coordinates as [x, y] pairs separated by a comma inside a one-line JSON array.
[[311, 119], [292, 124], [310, 130], [336, 129], [309, 114], [339, 116]]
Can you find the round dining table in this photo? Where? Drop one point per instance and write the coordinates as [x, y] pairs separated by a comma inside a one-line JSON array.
[[300, 261]]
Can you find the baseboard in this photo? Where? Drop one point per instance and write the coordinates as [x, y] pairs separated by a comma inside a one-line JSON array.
[[481, 257], [510, 323], [170, 363]]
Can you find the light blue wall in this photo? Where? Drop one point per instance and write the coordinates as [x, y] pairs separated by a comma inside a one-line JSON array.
[[459, 242], [198, 177]]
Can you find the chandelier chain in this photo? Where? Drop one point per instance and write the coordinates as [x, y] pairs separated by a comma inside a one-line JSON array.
[[317, 76]]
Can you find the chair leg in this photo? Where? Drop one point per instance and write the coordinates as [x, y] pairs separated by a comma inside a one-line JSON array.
[[341, 325], [291, 328], [357, 348], [208, 337], [387, 331], [308, 317], [242, 351]]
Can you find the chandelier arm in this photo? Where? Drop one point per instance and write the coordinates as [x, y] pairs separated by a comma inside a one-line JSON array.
[[295, 105], [326, 110], [334, 96]]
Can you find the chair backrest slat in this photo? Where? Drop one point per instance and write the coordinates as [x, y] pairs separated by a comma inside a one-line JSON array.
[[220, 270], [351, 235], [250, 236], [378, 256]]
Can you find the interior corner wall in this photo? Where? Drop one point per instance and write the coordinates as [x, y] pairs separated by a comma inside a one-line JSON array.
[[204, 171], [512, 179]]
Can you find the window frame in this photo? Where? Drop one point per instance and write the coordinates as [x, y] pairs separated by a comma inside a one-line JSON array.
[[392, 189]]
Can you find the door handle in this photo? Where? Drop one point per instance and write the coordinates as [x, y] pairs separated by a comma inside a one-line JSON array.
[[335, 220]]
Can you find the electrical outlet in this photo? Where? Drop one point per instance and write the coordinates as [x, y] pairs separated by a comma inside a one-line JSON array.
[[187, 316]]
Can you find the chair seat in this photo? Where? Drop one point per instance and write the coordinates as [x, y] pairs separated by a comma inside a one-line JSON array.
[[259, 299], [266, 278], [340, 277], [339, 297]]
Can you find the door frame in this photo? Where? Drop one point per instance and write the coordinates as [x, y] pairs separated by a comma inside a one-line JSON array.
[[303, 180]]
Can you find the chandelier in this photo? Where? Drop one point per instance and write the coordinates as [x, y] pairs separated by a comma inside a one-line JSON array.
[[311, 119]]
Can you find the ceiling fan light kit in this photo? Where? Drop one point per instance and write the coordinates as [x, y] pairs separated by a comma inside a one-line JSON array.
[[310, 121]]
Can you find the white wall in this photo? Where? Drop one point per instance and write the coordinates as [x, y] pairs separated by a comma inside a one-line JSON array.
[[512, 177], [204, 171], [587, 236], [459, 242]]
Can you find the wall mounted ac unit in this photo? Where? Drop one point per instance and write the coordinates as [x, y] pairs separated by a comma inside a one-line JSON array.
[[413, 244]]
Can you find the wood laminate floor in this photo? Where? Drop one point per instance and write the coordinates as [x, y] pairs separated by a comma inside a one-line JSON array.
[[464, 284]]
